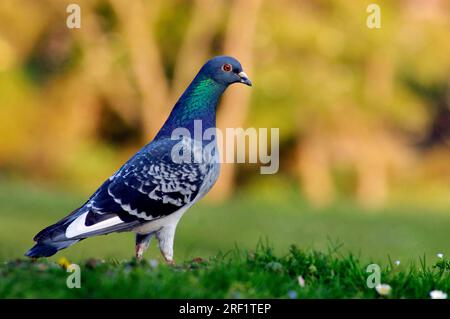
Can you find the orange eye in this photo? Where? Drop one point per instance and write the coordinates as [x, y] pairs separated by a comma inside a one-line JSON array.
[[226, 67]]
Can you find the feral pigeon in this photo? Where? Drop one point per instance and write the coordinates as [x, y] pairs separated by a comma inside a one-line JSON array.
[[149, 193]]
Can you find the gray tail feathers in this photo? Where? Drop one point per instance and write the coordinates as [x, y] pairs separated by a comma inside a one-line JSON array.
[[52, 239], [47, 249]]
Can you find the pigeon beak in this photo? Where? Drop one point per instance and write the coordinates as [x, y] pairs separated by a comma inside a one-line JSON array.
[[244, 78]]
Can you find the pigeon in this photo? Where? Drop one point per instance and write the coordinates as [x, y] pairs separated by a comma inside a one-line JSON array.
[[154, 188]]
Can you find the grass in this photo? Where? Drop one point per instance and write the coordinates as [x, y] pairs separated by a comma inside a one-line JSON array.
[[403, 233], [413, 235], [239, 274]]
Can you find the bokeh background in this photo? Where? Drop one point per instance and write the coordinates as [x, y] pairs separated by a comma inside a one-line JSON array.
[[364, 118]]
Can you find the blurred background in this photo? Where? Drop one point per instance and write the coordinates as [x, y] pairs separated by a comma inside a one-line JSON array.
[[364, 118]]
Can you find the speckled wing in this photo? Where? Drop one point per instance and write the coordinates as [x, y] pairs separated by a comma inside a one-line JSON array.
[[147, 187]]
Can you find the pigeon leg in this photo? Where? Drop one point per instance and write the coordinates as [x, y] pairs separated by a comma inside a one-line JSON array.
[[142, 243], [165, 238]]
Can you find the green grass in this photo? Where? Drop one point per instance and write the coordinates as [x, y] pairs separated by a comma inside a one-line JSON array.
[[404, 233], [412, 235], [239, 274]]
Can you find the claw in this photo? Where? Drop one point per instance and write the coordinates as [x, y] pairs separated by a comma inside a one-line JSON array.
[[170, 262], [139, 252], [142, 243]]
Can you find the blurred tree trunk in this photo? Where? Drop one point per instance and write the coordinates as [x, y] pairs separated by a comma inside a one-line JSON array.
[[366, 147], [78, 113], [313, 166], [234, 107], [137, 20], [195, 48]]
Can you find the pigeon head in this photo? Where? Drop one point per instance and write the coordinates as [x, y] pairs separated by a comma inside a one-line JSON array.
[[225, 70], [199, 101]]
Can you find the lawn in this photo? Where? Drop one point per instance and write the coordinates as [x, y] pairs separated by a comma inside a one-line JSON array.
[[239, 274], [411, 235], [401, 233]]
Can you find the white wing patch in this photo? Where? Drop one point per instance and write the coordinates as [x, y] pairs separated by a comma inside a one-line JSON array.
[[78, 226]]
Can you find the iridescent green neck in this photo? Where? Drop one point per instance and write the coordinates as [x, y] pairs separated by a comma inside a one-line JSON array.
[[198, 102]]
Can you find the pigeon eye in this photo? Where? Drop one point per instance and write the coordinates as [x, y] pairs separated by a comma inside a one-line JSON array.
[[226, 67]]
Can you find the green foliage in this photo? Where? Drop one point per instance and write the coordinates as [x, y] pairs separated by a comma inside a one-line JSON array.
[[327, 267], [316, 68], [238, 274]]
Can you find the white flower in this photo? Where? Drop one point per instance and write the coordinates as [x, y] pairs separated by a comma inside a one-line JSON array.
[[153, 263], [437, 294], [440, 255], [301, 281], [383, 289], [397, 262]]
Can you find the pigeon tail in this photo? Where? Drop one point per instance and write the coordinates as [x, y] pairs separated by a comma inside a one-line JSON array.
[[72, 229], [47, 249], [52, 239], [56, 231]]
